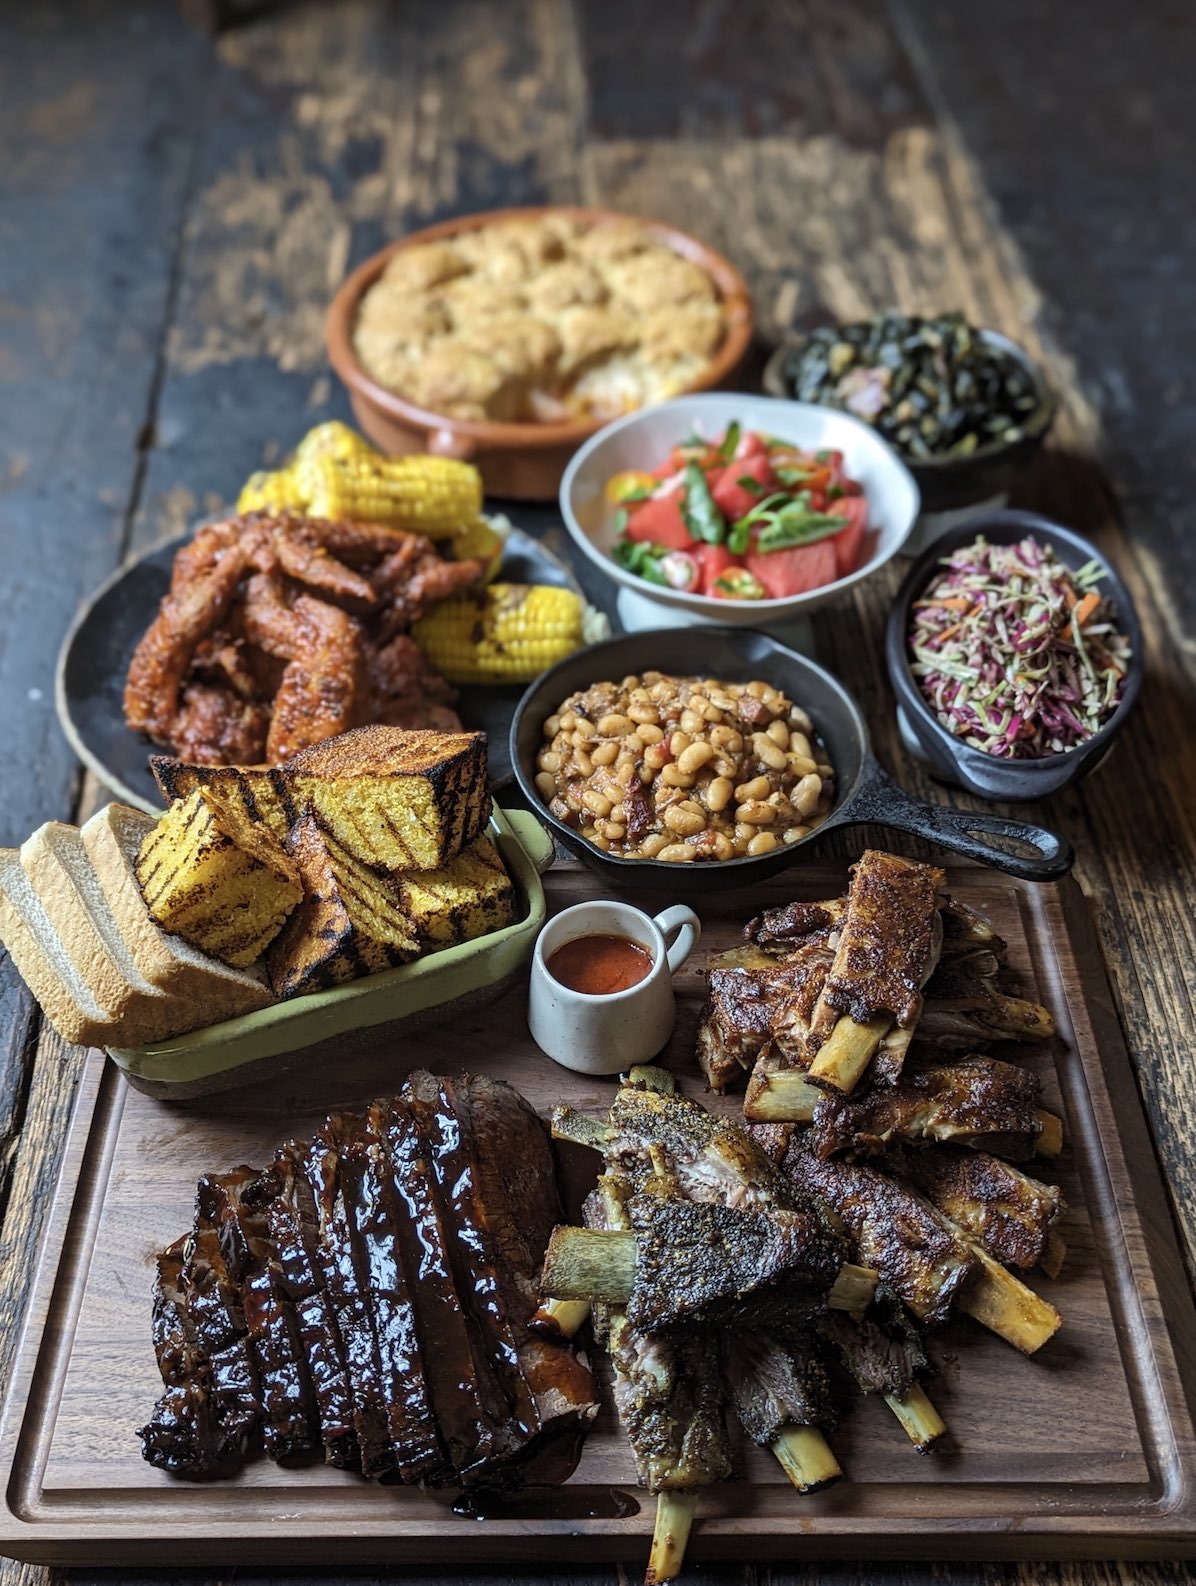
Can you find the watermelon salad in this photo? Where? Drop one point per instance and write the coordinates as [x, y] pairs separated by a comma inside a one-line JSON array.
[[743, 517]]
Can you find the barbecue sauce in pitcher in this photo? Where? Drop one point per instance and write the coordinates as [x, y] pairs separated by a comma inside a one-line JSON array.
[[599, 966]]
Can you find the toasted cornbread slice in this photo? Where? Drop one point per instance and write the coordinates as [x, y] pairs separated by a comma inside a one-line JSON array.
[[250, 795], [347, 924], [469, 897], [355, 921], [395, 799], [224, 889]]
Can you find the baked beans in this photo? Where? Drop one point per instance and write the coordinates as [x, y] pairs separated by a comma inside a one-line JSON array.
[[684, 768]]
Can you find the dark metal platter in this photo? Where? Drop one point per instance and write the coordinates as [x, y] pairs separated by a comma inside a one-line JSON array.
[[95, 655]]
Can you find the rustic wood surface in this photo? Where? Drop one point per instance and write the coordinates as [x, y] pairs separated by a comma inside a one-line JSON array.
[[178, 205], [1088, 1447]]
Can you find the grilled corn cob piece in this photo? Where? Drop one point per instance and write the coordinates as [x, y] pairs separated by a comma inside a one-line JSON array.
[[279, 491], [333, 439], [484, 538], [430, 495], [507, 633]]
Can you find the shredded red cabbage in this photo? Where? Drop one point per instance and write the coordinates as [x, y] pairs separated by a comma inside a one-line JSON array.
[[1012, 652]]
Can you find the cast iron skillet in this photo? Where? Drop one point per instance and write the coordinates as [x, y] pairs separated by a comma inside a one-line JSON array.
[[865, 793], [949, 758]]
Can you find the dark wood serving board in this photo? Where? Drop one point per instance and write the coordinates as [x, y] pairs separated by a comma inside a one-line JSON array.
[[1085, 1451]]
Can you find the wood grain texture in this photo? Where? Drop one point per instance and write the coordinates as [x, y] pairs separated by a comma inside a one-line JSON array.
[[848, 155], [1088, 1448]]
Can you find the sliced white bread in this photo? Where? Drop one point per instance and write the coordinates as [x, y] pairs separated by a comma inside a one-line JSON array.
[[213, 990], [65, 880], [36, 949]]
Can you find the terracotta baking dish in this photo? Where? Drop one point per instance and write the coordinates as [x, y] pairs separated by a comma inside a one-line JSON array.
[[526, 460]]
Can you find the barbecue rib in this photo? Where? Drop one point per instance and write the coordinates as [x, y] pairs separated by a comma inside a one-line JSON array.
[[928, 1260], [1007, 1213], [889, 943], [976, 1101], [369, 1292]]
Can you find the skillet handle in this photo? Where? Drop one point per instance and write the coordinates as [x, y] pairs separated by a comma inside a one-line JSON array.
[[880, 800]]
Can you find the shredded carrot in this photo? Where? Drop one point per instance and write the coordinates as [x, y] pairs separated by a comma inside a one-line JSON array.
[[1087, 606], [956, 603], [949, 633]]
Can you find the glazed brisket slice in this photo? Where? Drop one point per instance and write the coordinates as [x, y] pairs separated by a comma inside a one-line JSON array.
[[444, 1127], [350, 1302], [517, 1187], [367, 1181], [213, 1308], [182, 1434], [284, 1197], [466, 1398], [289, 1417]]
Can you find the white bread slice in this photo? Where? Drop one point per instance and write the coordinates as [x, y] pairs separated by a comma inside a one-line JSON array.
[[213, 990], [56, 863], [35, 948]]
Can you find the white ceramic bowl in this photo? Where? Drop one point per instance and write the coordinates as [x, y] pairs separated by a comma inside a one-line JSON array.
[[643, 439]]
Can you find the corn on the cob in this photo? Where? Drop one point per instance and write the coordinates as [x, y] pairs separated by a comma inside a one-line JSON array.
[[431, 495], [272, 492], [479, 539], [508, 633], [333, 439]]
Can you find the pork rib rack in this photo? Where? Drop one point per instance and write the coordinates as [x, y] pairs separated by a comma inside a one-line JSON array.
[[367, 1295]]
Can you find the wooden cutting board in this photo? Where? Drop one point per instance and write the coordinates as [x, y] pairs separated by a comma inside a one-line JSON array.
[[1086, 1451]]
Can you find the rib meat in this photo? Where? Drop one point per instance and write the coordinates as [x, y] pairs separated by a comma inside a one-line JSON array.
[[977, 1101], [894, 1229], [1007, 1213], [774, 1382]]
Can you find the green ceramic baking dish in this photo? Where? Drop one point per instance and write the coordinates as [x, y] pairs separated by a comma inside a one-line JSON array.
[[367, 1012]]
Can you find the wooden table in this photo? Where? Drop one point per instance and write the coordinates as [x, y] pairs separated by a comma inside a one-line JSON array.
[[179, 207]]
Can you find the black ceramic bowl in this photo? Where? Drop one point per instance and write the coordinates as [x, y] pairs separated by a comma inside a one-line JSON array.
[[950, 759], [864, 792], [948, 483]]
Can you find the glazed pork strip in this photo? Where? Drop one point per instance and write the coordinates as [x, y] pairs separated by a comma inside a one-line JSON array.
[[367, 1179], [214, 1310], [978, 1101], [466, 1396], [284, 1197], [894, 1229], [289, 1416], [183, 1433], [517, 1187], [453, 1163], [1007, 1213], [349, 1298]]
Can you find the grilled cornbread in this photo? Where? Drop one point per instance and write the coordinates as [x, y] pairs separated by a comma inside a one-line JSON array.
[[395, 799], [356, 920], [223, 886], [251, 796]]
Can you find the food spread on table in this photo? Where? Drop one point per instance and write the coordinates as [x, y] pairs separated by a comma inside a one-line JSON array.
[[540, 320], [399, 1291], [683, 769], [933, 387], [741, 517], [1016, 653]]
